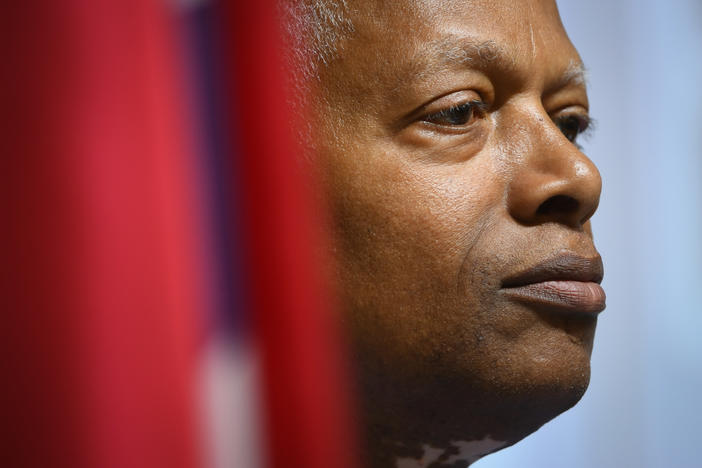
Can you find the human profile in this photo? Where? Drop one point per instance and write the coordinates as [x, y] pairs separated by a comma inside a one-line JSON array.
[[445, 137]]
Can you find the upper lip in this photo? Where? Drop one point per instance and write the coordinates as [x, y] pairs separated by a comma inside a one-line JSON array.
[[563, 267]]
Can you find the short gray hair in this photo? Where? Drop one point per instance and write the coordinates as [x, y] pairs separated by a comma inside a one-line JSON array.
[[313, 32]]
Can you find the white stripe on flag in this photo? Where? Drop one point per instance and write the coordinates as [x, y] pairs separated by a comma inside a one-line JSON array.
[[231, 405]]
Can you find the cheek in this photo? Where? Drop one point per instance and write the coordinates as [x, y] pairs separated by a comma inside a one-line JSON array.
[[404, 239], [411, 219]]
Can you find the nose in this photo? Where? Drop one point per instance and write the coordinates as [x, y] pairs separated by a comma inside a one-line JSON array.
[[555, 181]]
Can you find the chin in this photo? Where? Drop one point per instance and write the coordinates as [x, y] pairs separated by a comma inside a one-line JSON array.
[[506, 401], [538, 403], [504, 392], [403, 420], [534, 385]]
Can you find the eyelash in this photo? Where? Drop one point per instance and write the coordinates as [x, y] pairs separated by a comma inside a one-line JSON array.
[[458, 115], [572, 126]]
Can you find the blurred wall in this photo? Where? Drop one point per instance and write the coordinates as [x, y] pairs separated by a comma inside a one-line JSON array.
[[643, 406]]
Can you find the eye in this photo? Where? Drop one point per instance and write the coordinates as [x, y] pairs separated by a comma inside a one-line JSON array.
[[573, 125], [459, 115]]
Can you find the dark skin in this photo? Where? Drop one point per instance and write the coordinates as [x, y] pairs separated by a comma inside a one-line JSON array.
[[446, 146]]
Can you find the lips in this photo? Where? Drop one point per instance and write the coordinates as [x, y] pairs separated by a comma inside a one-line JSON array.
[[565, 283]]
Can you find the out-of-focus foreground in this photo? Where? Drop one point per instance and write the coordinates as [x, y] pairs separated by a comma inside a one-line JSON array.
[[162, 302]]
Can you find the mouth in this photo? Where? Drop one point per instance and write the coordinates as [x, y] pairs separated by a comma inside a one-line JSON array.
[[566, 283]]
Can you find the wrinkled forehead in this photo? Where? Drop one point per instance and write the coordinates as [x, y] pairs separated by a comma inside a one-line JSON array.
[[396, 41], [514, 21]]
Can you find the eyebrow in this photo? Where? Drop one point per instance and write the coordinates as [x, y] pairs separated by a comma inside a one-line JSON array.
[[576, 74], [451, 51], [440, 54], [467, 50]]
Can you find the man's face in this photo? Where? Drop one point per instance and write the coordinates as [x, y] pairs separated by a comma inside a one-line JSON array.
[[457, 195]]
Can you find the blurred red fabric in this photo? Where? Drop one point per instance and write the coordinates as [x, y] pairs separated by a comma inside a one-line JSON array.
[[100, 260], [102, 250], [308, 398]]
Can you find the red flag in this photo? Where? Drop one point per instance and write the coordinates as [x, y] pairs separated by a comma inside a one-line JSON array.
[[99, 239], [306, 388], [103, 245]]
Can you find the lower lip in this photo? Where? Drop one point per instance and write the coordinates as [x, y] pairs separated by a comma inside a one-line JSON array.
[[567, 296]]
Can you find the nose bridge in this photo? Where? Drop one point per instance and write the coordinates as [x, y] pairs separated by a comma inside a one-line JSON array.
[[553, 181]]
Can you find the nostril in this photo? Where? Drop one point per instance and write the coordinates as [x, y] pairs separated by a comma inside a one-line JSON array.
[[558, 205]]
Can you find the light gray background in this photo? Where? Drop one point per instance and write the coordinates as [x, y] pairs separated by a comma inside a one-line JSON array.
[[643, 407]]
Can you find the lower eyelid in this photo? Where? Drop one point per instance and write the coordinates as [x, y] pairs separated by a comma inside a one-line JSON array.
[[432, 130], [444, 145]]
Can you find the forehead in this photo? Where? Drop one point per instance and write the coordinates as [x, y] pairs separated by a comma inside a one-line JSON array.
[[399, 43], [520, 26]]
